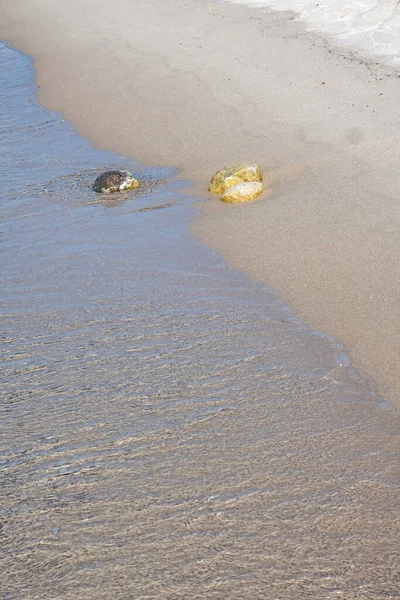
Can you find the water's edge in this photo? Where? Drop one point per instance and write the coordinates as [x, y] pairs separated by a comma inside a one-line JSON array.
[[171, 429]]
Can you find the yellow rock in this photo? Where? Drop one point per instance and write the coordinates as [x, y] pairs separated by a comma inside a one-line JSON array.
[[243, 192], [231, 176]]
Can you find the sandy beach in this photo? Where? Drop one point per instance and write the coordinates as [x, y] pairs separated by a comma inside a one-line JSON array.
[[197, 85], [170, 427]]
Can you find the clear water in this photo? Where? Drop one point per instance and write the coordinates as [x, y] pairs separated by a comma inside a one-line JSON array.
[[169, 429]]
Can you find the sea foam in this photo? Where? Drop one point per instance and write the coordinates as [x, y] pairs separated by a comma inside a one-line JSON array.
[[370, 26]]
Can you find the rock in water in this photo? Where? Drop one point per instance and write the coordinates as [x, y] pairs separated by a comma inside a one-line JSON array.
[[115, 181], [230, 176], [243, 192]]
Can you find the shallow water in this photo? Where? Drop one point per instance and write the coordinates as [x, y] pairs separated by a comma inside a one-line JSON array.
[[169, 428]]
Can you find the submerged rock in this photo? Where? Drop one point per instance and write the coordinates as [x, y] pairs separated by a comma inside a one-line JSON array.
[[231, 176], [243, 192], [115, 181]]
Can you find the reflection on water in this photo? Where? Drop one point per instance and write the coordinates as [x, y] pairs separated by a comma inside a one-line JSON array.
[[169, 429]]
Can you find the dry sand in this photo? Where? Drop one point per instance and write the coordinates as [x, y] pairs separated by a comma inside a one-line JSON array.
[[197, 85]]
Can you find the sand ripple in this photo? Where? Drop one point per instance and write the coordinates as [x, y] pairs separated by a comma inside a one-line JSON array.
[[169, 428]]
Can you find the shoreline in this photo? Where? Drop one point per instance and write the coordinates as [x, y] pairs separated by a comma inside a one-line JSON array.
[[259, 88], [170, 427]]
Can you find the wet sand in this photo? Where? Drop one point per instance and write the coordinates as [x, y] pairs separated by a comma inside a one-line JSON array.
[[170, 429], [198, 85]]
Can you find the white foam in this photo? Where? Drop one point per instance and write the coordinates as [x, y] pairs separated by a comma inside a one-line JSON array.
[[370, 26]]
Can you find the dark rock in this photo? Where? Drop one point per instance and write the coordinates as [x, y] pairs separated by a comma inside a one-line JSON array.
[[115, 181]]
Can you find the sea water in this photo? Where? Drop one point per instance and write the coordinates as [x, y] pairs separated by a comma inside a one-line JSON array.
[[169, 428]]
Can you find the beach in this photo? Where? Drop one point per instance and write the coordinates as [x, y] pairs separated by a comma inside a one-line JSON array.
[[198, 85], [198, 400]]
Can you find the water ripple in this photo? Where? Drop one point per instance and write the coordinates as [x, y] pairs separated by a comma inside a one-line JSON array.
[[169, 428]]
